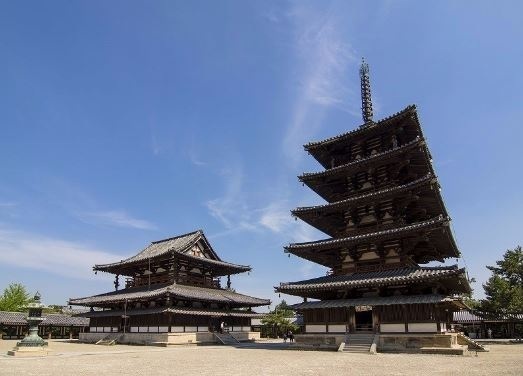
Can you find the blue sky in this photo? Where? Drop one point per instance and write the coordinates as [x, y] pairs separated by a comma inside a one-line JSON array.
[[125, 122]]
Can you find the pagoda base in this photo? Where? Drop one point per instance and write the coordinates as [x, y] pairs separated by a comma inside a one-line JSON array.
[[425, 343], [319, 341]]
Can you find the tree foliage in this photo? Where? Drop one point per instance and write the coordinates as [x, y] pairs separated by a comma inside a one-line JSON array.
[[504, 289], [279, 320], [14, 298]]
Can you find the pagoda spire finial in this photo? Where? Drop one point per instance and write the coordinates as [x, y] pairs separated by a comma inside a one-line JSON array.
[[366, 101]]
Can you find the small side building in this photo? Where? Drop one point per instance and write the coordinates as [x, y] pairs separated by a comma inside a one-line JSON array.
[[173, 294], [13, 325], [476, 324]]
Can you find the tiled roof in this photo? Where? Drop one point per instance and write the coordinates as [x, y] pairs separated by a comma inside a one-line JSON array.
[[363, 161], [478, 316], [54, 319], [175, 310], [178, 244], [383, 122], [175, 290], [338, 242], [378, 301], [373, 195], [380, 278], [13, 318]]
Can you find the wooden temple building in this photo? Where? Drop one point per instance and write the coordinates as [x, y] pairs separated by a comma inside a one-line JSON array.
[[172, 293], [385, 219]]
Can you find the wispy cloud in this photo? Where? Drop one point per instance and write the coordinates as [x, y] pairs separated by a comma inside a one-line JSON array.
[[26, 250], [116, 218], [276, 217], [8, 204], [323, 57], [230, 208]]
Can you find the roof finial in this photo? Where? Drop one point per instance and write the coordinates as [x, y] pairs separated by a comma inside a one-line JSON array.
[[366, 101]]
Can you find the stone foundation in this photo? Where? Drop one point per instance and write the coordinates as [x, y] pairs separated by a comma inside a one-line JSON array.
[[166, 339], [446, 343], [319, 341], [433, 343]]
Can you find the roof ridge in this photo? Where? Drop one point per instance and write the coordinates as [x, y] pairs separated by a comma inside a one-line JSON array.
[[199, 231]]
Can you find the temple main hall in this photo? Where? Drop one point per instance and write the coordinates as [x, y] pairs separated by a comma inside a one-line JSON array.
[[173, 293], [385, 220]]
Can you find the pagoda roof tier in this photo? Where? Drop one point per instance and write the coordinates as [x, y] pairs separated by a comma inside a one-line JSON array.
[[365, 162], [381, 301], [179, 247], [377, 279], [175, 291], [331, 218], [321, 150], [326, 252], [332, 184], [364, 198], [176, 310]]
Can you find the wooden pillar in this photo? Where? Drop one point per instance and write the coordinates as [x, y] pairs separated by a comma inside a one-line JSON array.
[[376, 319], [170, 317], [352, 319], [405, 318]]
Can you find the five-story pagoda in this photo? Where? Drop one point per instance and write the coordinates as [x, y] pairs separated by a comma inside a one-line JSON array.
[[385, 216]]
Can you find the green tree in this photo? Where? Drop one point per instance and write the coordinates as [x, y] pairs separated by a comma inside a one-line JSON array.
[[279, 321], [14, 298], [504, 289]]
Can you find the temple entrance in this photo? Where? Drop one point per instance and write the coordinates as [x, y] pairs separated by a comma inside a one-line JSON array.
[[363, 319]]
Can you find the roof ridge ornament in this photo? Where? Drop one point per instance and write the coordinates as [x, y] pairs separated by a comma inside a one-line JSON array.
[[366, 100]]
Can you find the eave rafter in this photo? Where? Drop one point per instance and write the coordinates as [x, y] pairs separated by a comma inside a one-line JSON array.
[[363, 162], [364, 198]]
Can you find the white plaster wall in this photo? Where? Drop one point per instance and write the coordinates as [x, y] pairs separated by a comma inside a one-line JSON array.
[[190, 329], [337, 328], [392, 328], [425, 327], [315, 328]]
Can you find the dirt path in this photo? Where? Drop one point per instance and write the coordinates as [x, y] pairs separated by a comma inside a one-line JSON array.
[[81, 359]]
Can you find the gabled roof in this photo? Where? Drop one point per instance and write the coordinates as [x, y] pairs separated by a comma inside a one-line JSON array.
[[407, 111], [174, 290], [374, 279], [176, 245]]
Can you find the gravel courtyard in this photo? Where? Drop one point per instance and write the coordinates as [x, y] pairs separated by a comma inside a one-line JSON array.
[[258, 359]]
